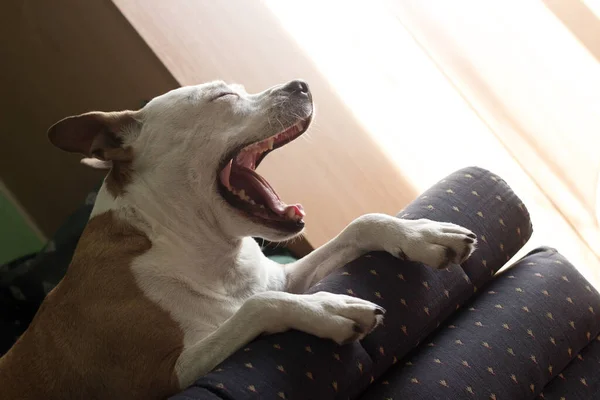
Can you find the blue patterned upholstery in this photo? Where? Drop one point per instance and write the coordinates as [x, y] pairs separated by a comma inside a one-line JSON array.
[[580, 380], [507, 343]]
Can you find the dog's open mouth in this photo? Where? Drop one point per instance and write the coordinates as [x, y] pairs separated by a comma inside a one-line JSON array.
[[243, 188]]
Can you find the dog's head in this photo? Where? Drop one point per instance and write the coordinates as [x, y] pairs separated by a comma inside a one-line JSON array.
[[197, 148]]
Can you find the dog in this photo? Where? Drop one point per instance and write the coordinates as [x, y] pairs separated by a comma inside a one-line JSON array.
[[167, 281]]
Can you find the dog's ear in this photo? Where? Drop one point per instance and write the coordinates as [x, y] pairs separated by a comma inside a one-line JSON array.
[[97, 135]]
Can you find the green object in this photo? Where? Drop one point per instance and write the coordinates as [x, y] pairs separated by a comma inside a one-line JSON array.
[[17, 238], [278, 254], [282, 259]]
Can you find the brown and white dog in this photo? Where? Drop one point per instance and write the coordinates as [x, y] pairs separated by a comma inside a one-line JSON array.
[[166, 281]]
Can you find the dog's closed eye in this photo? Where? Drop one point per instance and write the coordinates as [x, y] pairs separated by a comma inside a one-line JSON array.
[[224, 94]]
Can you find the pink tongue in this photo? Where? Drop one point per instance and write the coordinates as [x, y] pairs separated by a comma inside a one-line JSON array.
[[258, 189]]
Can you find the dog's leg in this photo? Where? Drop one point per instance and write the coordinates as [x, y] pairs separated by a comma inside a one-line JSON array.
[[436, 244], [340, 318]]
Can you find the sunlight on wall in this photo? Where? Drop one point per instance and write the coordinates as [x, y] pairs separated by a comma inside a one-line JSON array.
[[419, 119], [594, 6], [391, 86]]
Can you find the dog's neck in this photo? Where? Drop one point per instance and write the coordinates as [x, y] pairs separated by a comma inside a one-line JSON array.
[[180, 230]]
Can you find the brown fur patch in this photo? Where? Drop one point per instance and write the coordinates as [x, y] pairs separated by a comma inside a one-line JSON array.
[[96, 334]]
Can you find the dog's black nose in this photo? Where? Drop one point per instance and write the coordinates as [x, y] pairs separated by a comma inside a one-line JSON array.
[[297, 86]]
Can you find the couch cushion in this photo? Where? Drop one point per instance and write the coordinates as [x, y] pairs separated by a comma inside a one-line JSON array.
[[580, 380], [509, 342]]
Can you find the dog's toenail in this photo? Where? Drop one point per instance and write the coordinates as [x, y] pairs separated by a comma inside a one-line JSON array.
[[472, 235], [357, 328], [401, 255], [469, 240], [379, 311]]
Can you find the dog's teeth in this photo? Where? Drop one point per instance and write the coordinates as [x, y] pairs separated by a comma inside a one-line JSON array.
[[270, 143], [242, 195], [261, 206]]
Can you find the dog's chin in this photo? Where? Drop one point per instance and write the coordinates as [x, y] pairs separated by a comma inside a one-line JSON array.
[[274, 235]]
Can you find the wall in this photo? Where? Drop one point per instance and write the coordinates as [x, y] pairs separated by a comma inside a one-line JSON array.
[[61, 58]]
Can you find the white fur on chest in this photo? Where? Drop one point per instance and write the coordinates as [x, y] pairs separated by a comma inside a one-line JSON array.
[[201, 291]]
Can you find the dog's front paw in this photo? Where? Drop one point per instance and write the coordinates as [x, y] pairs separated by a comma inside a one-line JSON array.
[[343, 319], [437, 244]]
